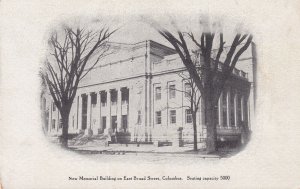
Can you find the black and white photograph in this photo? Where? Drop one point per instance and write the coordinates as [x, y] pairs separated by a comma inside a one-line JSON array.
[[187, 88]]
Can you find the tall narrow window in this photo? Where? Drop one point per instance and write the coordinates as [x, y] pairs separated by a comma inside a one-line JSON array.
[[47, 119], [172, 92], [125, 95], [93, 99], [173, 116], [242, 109], [114, 123], [53, 107], [188, 116], [60, 123], [103, 122], [103, 96], [84, 112], [188, 90], [157, 93], [44, 104], [53, 123], [158, 117], [139, 119], [114, 96], [124, 122]]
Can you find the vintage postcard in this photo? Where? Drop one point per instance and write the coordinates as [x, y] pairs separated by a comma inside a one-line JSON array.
[[144, 94]]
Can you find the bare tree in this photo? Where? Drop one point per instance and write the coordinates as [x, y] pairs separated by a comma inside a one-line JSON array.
[[193, 95], [73, 54], [213, 77]]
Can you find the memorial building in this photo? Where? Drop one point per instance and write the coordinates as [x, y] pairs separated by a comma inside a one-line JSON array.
[[138, 90]]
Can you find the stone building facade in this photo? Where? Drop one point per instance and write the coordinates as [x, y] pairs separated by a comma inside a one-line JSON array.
[[138, 90]]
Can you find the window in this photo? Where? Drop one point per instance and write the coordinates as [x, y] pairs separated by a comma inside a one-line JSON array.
[[47, 119], [114, 123], [173, 116], [188, 90], [53, 107], [53, 123], [139, 119], [157, 93], [84, 112], [188, 116], [103, 96], [172, 93], [158, 117], [125, 95], [103, 122], [60, 123], [114, 96], [93, 99], [44, 104], [124, 122]]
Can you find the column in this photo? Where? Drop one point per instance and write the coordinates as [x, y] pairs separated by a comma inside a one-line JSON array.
[[131, 120], [220, 110], [202, 121], [119, 110], [76, 109], [242, 108], [93, 113], [88, 115], [147, 106], [150, 108], [79, 116], [228, 108], [202, 105], [146, 110], [57, 120], [150, 128], [235, 110], [128, 129], [99, 109], [108, 117]]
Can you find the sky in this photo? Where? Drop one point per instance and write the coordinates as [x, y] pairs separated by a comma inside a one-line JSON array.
[[138, 28], [134, 29]]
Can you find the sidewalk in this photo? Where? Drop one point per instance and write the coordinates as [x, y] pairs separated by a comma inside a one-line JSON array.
[[123, 149]]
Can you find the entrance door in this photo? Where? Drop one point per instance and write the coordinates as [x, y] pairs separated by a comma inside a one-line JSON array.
[[124, 122], [84, 112], [114, 123]]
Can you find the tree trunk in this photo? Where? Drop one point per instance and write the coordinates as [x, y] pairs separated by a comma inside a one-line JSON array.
[[195, 131], [65, 128], [210, 120]]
